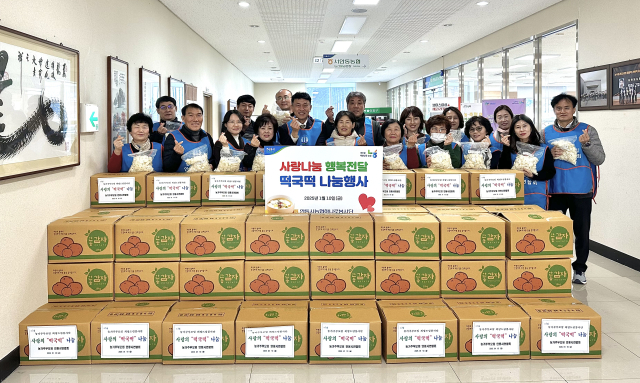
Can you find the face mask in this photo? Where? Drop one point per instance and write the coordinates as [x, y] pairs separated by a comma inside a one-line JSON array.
[[438, 137]]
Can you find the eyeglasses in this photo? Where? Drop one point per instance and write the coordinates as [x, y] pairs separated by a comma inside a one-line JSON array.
[[477, 129], [163, 107], [283, 98]]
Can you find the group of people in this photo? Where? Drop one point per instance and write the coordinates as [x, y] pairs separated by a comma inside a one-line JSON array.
[[558, 185]]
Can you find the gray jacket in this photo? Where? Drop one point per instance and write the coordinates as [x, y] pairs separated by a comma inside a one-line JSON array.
[[594, 150]]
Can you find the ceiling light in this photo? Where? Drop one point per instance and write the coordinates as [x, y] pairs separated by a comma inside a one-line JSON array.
[[341, 46], [321, 81], [352, 25], [482, 3], [254, 26], [393, 61], [424, 41], [365, 2], [243, 4], [328, 70], [269, 61], [448, 25], [261, 41]]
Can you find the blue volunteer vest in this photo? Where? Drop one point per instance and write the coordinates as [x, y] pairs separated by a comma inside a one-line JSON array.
[[127, 161], [465, 138], [535, 192], [495, 143], [368, 132], [189, 146], [308, 137], [155, 127], [330, 139], [423, 157], [572, 179]]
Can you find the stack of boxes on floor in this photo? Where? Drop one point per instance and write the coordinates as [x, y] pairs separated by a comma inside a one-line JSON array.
[[198, 282]]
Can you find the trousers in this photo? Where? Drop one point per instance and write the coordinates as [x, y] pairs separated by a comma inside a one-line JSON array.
[[579, 207]]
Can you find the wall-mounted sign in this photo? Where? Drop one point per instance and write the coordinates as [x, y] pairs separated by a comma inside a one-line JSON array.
[[433, 81], [345, 61], [377, 110]]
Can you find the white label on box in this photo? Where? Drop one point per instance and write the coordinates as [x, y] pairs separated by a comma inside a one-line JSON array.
[[442, 186], [344, 340], [117, 190], [496, 338], [420, 340], [394, 186], [498, 186], [565, 336], [226, 188], [172, 189], [197, 341], [53, 342], [269, 342], [124, 340]]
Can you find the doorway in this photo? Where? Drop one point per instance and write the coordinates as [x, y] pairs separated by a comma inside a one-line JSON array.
[[208, 113]]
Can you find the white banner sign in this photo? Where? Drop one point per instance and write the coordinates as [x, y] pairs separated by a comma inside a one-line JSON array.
[[438, 105], [394, 186], [53, 342], [117, 190], [269, 342], [565, 336], [421, 340], [330, 180], [172, 189], [340, 61], [197, 341], [226, 188], [124, 340], [496, 338], [442, 186], [344, 340], [497, 186], [471, 109]]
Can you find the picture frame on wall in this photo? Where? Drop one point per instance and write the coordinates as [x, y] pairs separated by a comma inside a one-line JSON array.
[[150, 91], [176, 90], [593, 88], [625, 85], [39, 105], [117, 100]]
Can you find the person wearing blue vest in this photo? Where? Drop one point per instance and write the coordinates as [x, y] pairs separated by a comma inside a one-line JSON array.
[[536, 187], [232, 139], [457, 121], [166, 108], [439, 129], [393, 135], [302, 130], [478, 129], [344, 134], [265, 125], [365, 126], [574, 186], [503, 115], [138, 126], [413, 122], [187, 138]]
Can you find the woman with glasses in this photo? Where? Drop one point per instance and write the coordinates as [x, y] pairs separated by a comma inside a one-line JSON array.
[[231, 138], [503, 117], [166, 109], [439, 129], [478, 129]]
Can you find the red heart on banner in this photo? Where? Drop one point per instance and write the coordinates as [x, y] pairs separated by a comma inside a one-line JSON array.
[[366, 202]]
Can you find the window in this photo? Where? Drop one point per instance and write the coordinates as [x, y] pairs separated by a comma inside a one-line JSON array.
[[521, 75], [471, 84], [492, 77], [325, 95], [558, 54], [453, 82]]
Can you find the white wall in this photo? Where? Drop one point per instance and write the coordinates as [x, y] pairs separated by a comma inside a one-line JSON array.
[[376, 93], [142, 32]]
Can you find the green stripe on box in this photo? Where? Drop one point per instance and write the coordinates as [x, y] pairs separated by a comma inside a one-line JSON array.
[[498, 200], [97, 357], [62, 297], [317, 358], [214, 255], [278, 294], [449, 294], [259, 200], [469, 355], [436, 292], [446, 355], [95, 203], [147, 256], [541, 291], [26, 359], [224, 357], [75, 259], [320, 293], [143, 296], [539, 353], [296, 357], [287, 254], [214, 294]]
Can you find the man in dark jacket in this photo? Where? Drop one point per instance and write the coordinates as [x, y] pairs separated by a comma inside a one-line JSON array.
[[365, 126]]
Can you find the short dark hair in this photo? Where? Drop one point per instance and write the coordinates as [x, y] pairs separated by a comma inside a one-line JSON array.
[[457, 112], [192, 105], [227, 117], [534, 138], [301, 95], [390, 121], [263, 119], [139, 118], [162, 99], [343, 113], [479, 119], [413, 111], [563, 96], [246, 98], [438, 119], [499, 108]]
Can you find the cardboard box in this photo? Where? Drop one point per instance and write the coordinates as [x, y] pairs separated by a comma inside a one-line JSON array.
[[203, 336], [191, 305], [454, 209], [505, 316], [445, 176], [41, 346], [212, 237], [565, 333], [276, 280], [471, 236], [408, 198], [402, 209], [543, 278], [474, 192], [105, 212], [165, 211], [260, 188], [249, 189], [273, 237], [453, 302], [78, 282], [148, 238], [266, 318], [194, 189], [117, 185], [129, 320], [289, 305], [218, 280], [538, 235], [437, 302], [332, 279], [422, 320], [336, 322], [208, 210], [472, 279], [341, 236], [72, 240], [546, 301], [63, 306], [414, 279], [406, 236], [498, 209], [342, 304], [147, 281], [142, 304]]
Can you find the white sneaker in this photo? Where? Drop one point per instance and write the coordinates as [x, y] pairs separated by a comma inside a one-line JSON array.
[[580, 278]]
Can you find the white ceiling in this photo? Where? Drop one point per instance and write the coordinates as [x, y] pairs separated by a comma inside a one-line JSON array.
[[295, 31]]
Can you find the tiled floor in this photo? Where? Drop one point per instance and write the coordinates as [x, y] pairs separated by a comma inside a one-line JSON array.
[[613, 291]]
